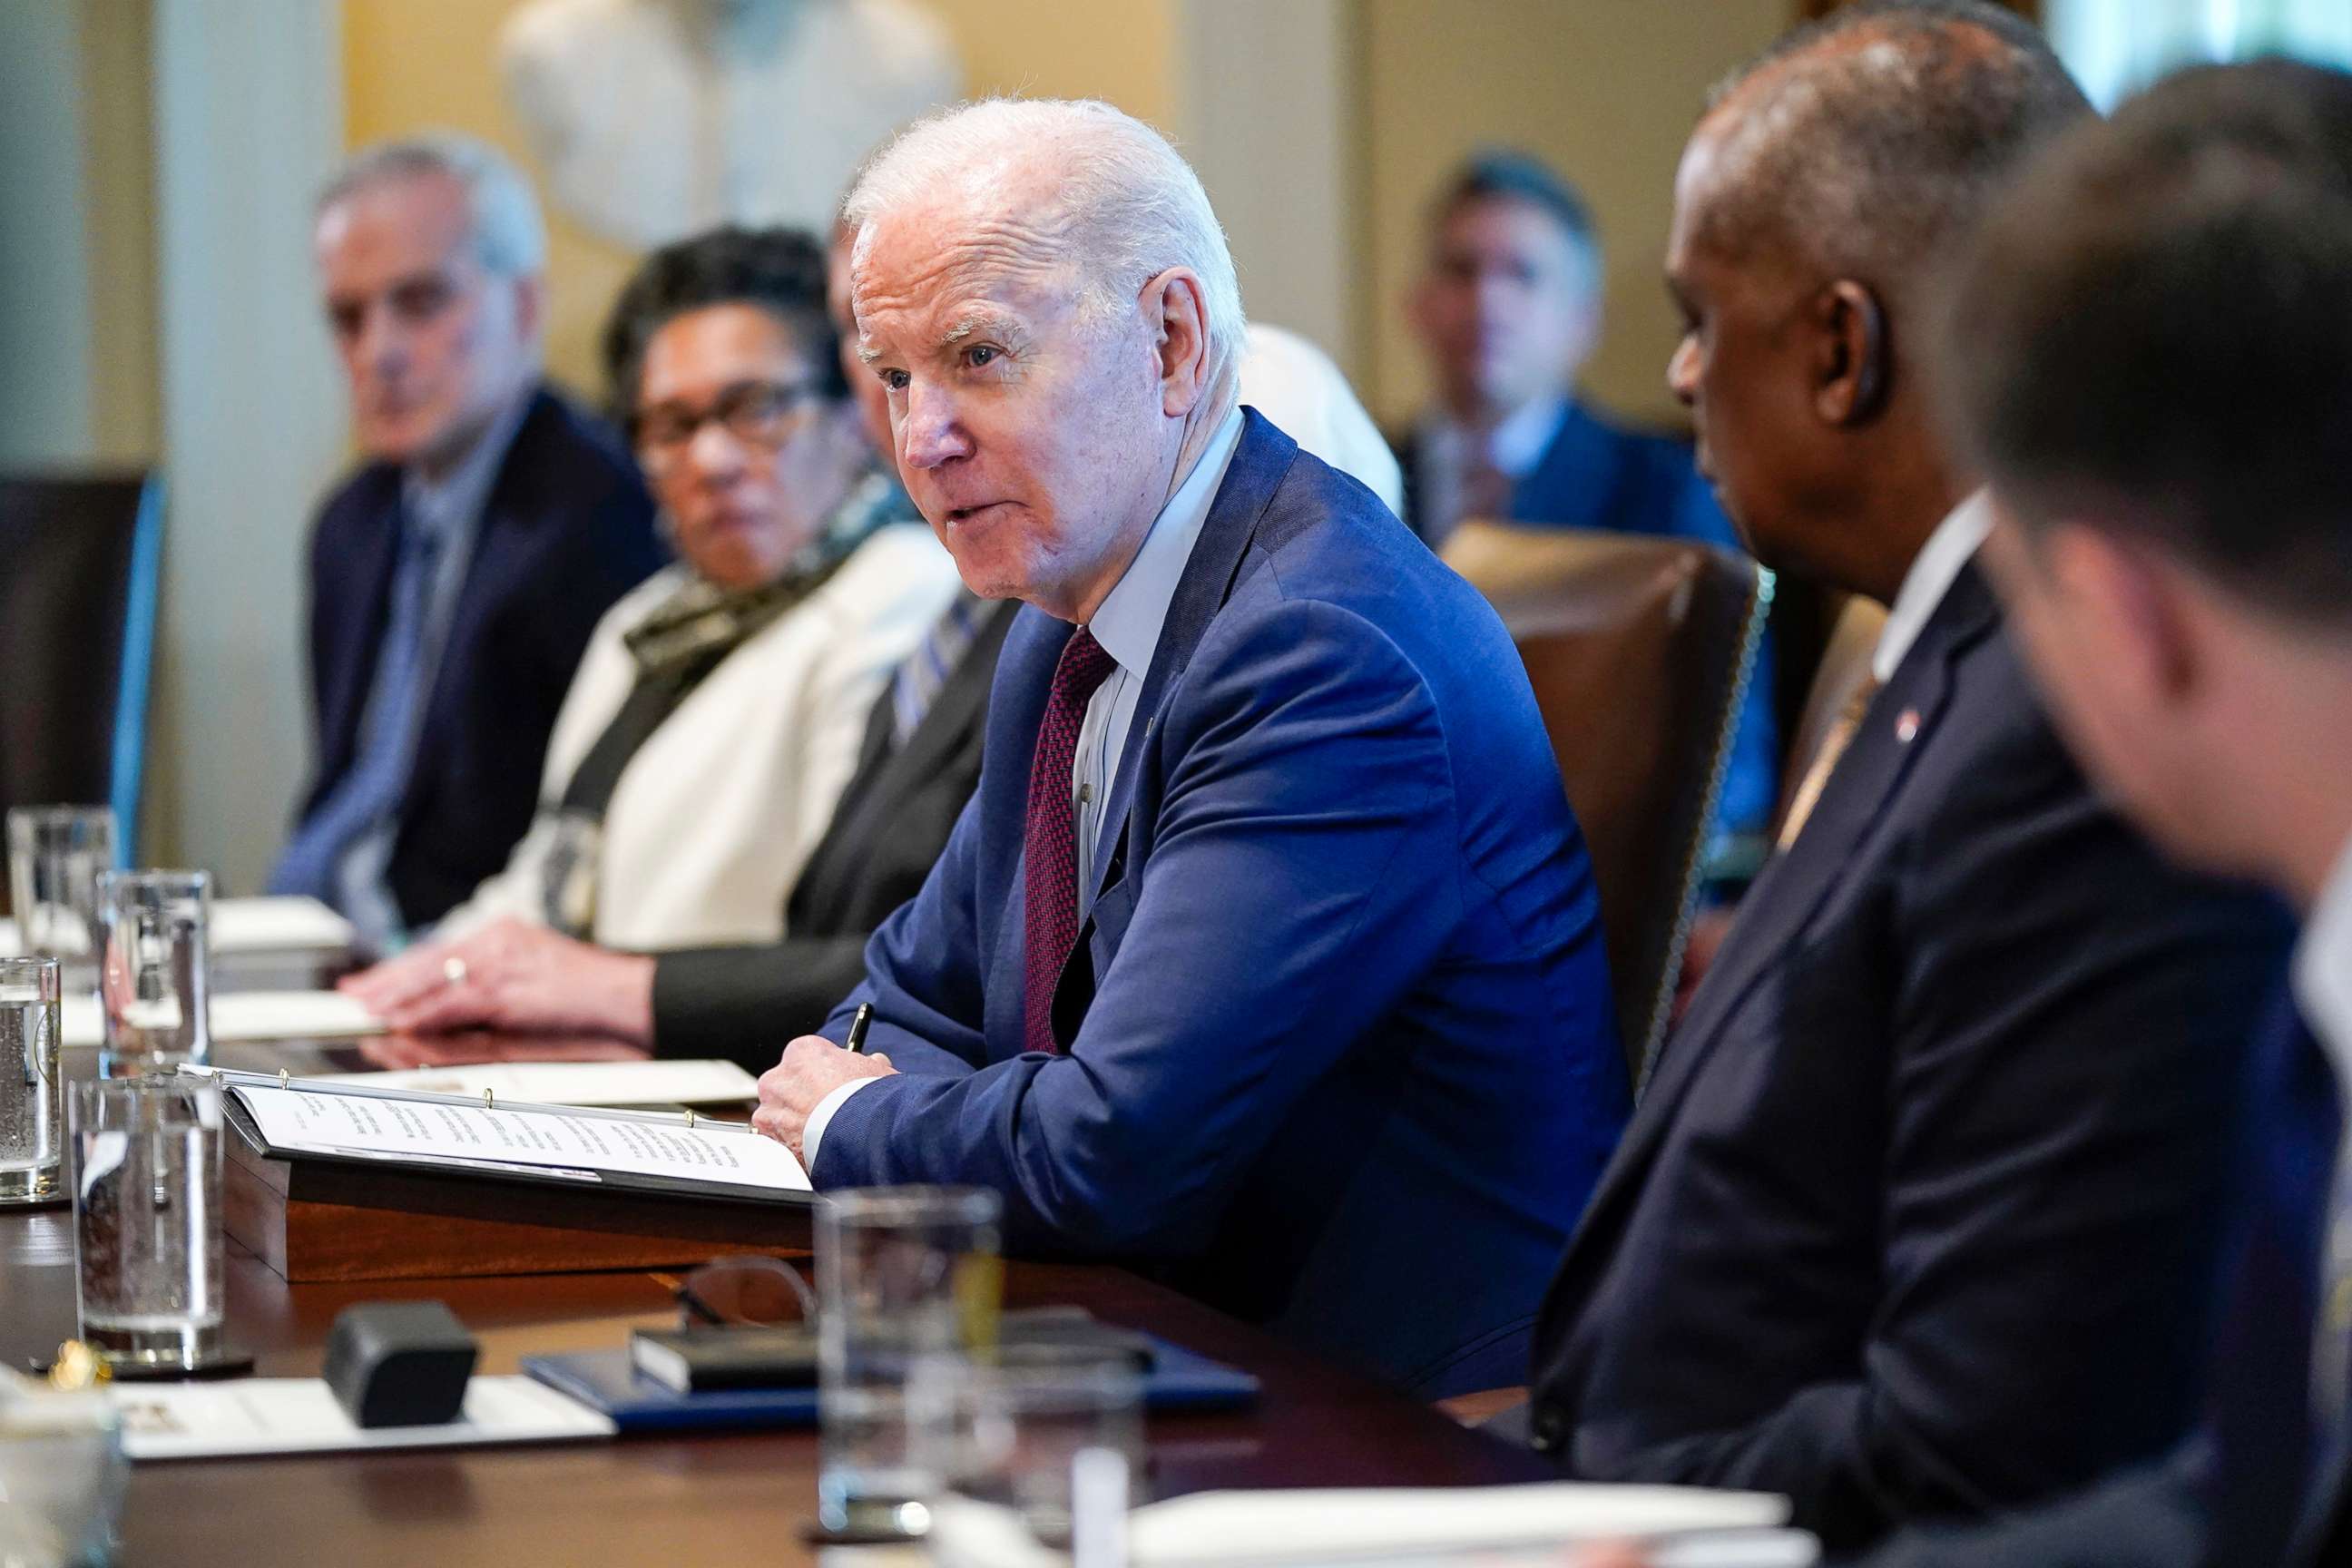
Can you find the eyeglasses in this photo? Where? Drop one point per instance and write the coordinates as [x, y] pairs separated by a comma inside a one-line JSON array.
[[756, 413], [745, 1289]]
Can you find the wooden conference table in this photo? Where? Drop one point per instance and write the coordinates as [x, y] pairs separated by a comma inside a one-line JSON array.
[[717, 1497]]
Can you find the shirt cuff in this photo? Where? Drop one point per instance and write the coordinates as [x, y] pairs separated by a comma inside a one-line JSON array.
[[822, 1117]]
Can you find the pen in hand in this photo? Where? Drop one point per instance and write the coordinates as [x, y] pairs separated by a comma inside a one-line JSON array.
[[857, 1041]]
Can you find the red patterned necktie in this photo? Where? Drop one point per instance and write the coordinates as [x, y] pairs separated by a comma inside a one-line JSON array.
[[1051, 840]]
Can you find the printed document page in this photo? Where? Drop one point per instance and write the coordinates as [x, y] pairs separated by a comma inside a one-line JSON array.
[[585, 1146]]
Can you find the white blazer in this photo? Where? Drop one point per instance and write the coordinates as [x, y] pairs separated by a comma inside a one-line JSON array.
[[717, 812]]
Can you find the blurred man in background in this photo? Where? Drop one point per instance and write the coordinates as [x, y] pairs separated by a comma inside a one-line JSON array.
[[456, 577], [1508, 311]]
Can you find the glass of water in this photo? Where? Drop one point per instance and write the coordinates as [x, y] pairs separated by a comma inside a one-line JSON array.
[[903, 1273], [147, 1220], [32, 1109], [56, 854], [1046, 1444], [156, 980]]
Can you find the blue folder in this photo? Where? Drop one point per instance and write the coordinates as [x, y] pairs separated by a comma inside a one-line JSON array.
[[606, 1381]]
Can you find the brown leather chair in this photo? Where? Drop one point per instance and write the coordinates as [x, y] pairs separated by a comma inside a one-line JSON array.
[[80, 562], [1640, 651]]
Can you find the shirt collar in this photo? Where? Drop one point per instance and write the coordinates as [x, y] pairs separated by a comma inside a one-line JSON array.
[[1126, 624], [2323, 967], [447, 504], [1519, 442], [1932, 573], [1513, 446]]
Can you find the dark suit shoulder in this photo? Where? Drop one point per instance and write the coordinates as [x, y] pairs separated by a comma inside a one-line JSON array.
[[563, 456]]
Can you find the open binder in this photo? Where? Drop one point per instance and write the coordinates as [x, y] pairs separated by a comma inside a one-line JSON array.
[[340, 1181]]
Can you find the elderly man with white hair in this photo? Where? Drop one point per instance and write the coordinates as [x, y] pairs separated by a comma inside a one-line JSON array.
[[1267, 952]]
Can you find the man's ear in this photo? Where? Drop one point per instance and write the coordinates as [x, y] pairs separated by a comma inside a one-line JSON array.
[[2134, 606], [1176, 309], [1853, 363]]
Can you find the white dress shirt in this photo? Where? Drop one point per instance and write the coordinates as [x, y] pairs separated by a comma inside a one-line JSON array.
[[1949, 548], [1127, 624], [1448, 449], [2322, 980], [2322, 968]]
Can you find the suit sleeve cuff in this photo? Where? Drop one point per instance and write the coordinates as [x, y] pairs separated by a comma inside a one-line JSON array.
[[822, 1118]]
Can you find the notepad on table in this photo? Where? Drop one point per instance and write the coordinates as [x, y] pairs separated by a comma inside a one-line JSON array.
[[623, 1150], [299, 1416], [276, 924], [573, 1083]]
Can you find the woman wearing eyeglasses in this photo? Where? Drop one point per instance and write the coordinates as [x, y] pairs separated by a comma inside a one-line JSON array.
[[721, 706]]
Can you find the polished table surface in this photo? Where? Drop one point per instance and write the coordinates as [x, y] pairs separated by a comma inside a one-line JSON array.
[[721, 1497]]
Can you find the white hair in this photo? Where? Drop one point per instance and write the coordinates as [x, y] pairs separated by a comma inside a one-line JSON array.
[[503, 221], [1125, 201]]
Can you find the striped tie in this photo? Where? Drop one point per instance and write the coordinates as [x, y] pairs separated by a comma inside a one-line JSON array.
[[916, 684]]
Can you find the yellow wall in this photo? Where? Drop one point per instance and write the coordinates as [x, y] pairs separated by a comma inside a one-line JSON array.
[[1608, 90], [414, 64]]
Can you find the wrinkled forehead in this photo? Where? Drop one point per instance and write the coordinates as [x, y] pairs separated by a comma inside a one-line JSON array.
[[961, 247]]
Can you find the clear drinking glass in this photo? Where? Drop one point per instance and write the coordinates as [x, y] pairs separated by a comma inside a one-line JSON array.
[[61, 1474], [575, 847], [902, 1273], [147, 1221], [155, 984], [1045, 1449], [32, 1109], [56, 854]]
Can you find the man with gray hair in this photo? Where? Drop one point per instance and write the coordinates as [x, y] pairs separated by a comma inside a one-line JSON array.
[[456, 577], [1266, 953]]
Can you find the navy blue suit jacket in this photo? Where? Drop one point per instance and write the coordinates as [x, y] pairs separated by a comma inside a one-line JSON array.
[[2253, 1489], [566, 529], [1341, 1057], [1599, 475], [1921, 1212]]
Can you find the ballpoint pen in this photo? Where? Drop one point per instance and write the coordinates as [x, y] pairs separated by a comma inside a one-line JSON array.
[[857, 1041]]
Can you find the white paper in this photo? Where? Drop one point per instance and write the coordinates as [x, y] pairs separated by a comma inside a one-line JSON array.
[[276, 925], [299, 1416], [342, 1124], [243, 1016], [280, 924], [572, 1083], [1723, 1529]]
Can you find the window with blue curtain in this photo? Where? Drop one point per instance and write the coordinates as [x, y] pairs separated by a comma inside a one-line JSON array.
[[2117, 47]]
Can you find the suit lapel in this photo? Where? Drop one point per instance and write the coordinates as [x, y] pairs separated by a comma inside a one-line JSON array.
[[1261, 459], [501, 535], [1900, 725]]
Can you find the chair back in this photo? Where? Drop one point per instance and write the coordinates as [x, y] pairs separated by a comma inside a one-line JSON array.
[[1640, 651], [80, 557]]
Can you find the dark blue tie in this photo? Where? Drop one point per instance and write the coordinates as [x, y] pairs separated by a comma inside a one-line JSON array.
[[369, 790]]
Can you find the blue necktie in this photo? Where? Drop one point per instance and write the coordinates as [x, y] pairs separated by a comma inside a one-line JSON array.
[[369, 790], [916, 686]]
